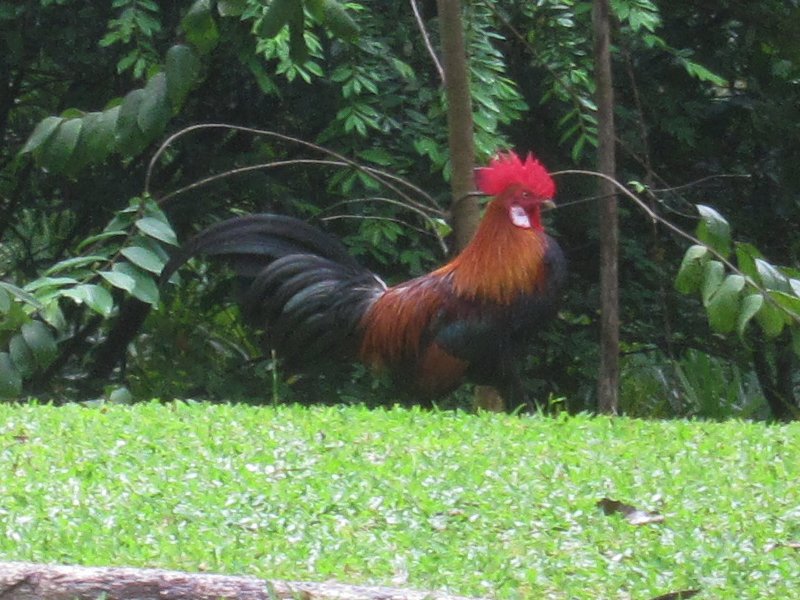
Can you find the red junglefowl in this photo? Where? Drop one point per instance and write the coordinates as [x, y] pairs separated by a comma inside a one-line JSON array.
[[466, 321]]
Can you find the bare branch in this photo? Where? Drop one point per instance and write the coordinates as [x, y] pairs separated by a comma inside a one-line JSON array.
[[701, 180], [688, 236], [30, 581], [426, 38], [387, 179], [434, 229]]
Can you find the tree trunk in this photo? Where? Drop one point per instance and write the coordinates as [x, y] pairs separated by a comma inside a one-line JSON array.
[[28, 581], [608, 379], [464, 208]]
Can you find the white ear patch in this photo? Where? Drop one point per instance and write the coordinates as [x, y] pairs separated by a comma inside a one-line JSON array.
[[519, 217]]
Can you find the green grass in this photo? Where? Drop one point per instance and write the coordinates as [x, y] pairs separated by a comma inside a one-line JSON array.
[[478, 505]]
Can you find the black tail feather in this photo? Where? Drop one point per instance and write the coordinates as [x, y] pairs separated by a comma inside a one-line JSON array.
[[257, 237], [301, 284]]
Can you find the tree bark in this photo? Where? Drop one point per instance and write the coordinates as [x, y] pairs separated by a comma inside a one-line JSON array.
[[464, 208], [608, 378], [29, 581]]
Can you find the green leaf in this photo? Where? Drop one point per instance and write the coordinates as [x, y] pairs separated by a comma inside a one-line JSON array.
[[338, 21], [442, 227], [10, 378], [794, 284], [71, 263], [144, 258], [485, 100], [278, 14], [85, 151], [714, 230], [298, 51], [713, 274], [119, 280], [316, 8], [751, 304], [771, 319], [21, 294], [690, 273], [746, 255], [41, 134], [788, 301], [700, 72], [259, 73], [129, 138], [577, 148], [796, 341], [145, 289], [182, 68], [723, 306], [231, 8], [21, 356], [99, 237], [41, 342], [49, 282], [5, 301], [771, 278], [155, 110], [151, 208], [377, 155], [52, 315], [57, 152], [153, 246], [98, 136], [157, 229], [94, 296], [200, 28]]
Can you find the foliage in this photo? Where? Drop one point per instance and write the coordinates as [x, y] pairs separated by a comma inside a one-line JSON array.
[[92, 88], [753, 289], [406, 498], [696, 384], [561, 43], [126, 256], [734, 295]]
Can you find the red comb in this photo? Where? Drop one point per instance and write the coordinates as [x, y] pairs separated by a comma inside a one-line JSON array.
[[506, 169]]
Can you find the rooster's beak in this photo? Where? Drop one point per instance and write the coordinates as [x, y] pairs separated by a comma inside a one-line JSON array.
[[548, 205]]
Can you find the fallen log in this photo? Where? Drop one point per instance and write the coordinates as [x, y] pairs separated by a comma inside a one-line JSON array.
[[32, 581]]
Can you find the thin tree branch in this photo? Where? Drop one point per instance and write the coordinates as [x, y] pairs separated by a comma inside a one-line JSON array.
[[433, 232], [427, 40], [385, 178], [688, 236], [409, 203], [425, 212], [699, 181], [376, 218]]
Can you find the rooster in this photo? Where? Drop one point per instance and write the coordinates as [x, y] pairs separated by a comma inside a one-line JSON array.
[[466, 321]]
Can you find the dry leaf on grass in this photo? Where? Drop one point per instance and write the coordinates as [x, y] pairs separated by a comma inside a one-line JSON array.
[[776, 545], [633, 515], [682, 595]]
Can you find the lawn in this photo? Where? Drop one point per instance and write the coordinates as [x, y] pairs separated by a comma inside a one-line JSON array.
[[482, 505]]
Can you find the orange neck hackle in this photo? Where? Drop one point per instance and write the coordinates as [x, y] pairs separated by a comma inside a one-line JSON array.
[[501, 262], [505, 258]]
